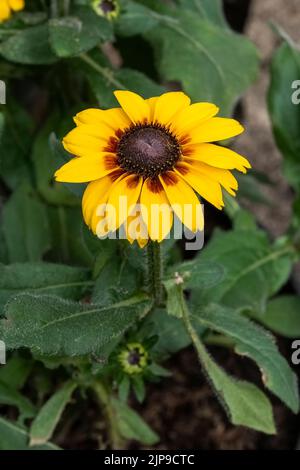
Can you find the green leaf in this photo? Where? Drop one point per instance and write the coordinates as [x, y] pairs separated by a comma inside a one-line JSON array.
[[105, 80], [11, 397], [124, 388], [173, 297], [14, 437], [203, 54], [29, 46], [50, 325], [210, 10], [131, 425], [198, 273], [25, 226], [135, 19], [45, 422], [70, 36], [245, 404], [16, 372], [139, 388], [252, 341], [285, 114], [282, 316], [15, 144], [45, 165], [46, 278], [254, 268], [172, 336]]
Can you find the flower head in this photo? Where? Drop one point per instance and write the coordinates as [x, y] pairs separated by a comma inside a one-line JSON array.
[[134, 358], [157, 153], [8, 6], [108, 8]]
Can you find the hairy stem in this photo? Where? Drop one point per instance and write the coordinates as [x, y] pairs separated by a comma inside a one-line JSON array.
[[155, 271]]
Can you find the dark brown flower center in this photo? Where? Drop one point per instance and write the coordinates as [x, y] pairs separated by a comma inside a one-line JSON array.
[[148, 150], [107, 6]]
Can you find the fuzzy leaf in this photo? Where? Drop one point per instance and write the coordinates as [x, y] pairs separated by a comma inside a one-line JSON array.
[[29, 46], [254, 342], [14, 437], [42, 278], [45, 422], [50, 325], [131, 425]]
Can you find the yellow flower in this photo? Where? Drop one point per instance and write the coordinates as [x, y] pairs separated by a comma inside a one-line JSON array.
[[156, 153], [134, 358], [7, 6], [110, 9]]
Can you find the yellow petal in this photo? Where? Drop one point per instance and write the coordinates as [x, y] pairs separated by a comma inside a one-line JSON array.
[[207, 187], [152, 103], [136, 230], [134, 106], [17, 5], [168, 105], [215, 155], [215, 129], [82, 170], [122, 200], [183, 200], [95, 194], [192, 116], [4, 11], [224, 177], [156, 210], [114, 118]]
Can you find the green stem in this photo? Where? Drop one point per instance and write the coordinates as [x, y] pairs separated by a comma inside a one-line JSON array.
[[105, 72], [155, 271], [186, 316], [103, 395]]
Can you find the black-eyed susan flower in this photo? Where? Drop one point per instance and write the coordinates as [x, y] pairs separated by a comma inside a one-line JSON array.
[[108, 8], [157, 153], [7, 7], [133, 358]]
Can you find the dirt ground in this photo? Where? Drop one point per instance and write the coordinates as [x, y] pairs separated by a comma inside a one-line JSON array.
[[258, 143]]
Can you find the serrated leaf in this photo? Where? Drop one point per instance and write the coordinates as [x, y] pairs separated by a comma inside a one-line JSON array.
[[131, 425], [50, 325], [194, 51], [72, 35], [25, 226], [29, 46], [45, 422], [254, 342], [42, 278], [14, 437]]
